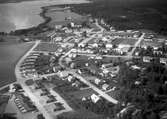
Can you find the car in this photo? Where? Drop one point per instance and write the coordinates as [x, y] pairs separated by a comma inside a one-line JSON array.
[[20, 106], [23, 110]]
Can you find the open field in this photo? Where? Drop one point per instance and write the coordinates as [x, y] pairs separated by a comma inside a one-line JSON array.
[[10, 54], [50, 47], [128, 41]]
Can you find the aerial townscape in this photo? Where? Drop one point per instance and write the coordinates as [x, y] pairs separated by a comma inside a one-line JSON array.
[[80, 66]]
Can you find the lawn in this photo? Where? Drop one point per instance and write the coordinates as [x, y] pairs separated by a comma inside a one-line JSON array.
[[129, 41], [10, 53], [50, 47]]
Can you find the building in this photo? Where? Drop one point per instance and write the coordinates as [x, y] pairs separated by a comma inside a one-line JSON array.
[[95, 98], [147, 59], [105, 86], [107, 65], [163, 61], [97, 81], [109, 46], [95, 45], [70, 78]]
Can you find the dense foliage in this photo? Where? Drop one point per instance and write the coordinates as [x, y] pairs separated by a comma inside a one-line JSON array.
[[150, 95], [128, 14]]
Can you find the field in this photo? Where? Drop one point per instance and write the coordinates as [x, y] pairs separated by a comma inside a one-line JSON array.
[[73, 98], [129, 41], [10, 54], [50, 47]]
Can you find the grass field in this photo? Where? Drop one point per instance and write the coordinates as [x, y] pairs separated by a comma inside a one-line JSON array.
[[10, 53], [50, 47], [124, 41]]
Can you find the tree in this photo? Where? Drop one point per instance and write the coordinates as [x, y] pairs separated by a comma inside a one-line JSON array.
[[40, 116]]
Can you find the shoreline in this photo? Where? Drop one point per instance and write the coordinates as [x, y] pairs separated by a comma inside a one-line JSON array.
[[46, 19], [38, 27]]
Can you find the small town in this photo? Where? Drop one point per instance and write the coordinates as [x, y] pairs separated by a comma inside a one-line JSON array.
[[91, 69]]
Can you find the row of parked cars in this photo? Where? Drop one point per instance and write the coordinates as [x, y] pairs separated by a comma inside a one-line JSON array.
[[20, 106], [27, 66], [51, 98], [24, 104]]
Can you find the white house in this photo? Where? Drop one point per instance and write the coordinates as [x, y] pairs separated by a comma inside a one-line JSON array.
[[163, 61], [95, 98], [109, 46], [105, 86], [95, 45], [97, 81], [70, 78], [104, 39], [147, 59]]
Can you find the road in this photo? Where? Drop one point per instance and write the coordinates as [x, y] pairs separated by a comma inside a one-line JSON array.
[[136, 45], [88, 39], [21, 80], [32, 96], [101, 28], [111, 56], [100, 92]]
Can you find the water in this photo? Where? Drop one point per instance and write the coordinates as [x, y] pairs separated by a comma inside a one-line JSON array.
[[14, 16]]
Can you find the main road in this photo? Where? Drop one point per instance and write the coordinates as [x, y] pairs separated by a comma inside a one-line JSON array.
[[100, 92], [21, 80]]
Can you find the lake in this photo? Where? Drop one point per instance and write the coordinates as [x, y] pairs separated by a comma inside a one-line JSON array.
[[22, 15]]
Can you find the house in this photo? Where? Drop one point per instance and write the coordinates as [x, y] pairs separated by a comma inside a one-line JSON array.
[[95, 98], [72, 24], [157, 52], [106, 65], [84, 99], [104, 39], [147, 59], [68, 60], [82, 45], [163, 61], [105, 86], [98, 57], [135, 67], [58, 26], [97, 81], [137, 82], [121, 45], [76, 84], [95, 45], [70, 78], [109, 46]]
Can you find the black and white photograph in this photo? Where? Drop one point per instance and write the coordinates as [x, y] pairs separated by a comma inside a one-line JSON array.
[[83, 59]]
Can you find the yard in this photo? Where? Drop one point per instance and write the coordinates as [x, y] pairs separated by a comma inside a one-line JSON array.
[[50, 47]]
